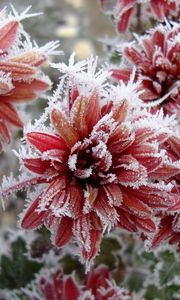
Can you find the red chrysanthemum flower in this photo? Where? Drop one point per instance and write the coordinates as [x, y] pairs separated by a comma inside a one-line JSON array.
[[101, 165], [19, 67], [169, 227], [156, 59], [98, 286], [124, 10]]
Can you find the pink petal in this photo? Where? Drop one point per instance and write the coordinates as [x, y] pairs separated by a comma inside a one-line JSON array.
[[17, 70], [31, 58], [8, 34]]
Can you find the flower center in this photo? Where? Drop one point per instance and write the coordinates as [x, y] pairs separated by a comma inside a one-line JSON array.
[[90, 161]]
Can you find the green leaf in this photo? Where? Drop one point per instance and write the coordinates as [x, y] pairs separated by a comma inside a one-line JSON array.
[[17, 269]]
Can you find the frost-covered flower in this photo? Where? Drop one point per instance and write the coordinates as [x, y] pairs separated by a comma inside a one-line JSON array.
[[100, 162], [156, 57], [98, 286], [169, 227], [124, 10], [20, 79]]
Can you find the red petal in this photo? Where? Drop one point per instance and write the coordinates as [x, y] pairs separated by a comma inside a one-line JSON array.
[[77, 200], [147, 225], [121, 74], [33, 219], [133, 55], [165, 172], [103, 207], [36, 165], [136, 206], [95, 239], [120, 139], [44, 141], [64, 127], [63, 232], [93, 110], [124, 14], [129, 171], [114, 194], [70, 290]]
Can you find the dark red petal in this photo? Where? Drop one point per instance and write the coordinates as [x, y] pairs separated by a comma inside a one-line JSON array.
[[70, 290], [147, 225], [36, 165], [95, 239], [136, 206], [44, 141], [63, 232], [125, 12], [32, 218]]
